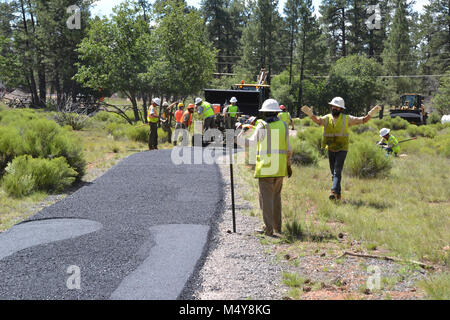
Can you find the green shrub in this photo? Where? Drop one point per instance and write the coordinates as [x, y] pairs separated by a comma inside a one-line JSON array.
[[434, 118], [11, 145], [367, 160], [398, 123], [139, 134], [163, 136], [117, 130], [303, 153], [104, 116], [313, 135], [293, 230], [25, 175], [75, 121], [40, 138]]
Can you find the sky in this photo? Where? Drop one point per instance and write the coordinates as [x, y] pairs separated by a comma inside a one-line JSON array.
[[104, 7]]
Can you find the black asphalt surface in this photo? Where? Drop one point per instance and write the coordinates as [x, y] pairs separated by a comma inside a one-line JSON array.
[[155, 220]]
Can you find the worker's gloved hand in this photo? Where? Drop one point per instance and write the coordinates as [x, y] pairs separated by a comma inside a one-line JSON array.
[[372, 113], [289, 169], [308, 111]]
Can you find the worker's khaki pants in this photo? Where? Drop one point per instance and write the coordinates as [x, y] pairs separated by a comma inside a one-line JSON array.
[[270, 203]]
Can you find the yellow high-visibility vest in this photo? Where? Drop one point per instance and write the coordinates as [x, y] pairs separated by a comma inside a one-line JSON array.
[[272, 152], [336, 135]]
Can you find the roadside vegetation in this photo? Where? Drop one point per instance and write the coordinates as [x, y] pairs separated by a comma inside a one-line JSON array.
[[43, 157], [391, 206]]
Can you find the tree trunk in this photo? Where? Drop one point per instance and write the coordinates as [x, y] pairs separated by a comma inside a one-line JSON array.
[[344, 48], [32, 81], [302, 70], [144, 105]]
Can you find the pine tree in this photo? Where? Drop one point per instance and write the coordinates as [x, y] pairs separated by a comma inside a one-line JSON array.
[[397, 55]]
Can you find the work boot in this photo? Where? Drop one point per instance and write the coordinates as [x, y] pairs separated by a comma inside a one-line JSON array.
[[333, 196]]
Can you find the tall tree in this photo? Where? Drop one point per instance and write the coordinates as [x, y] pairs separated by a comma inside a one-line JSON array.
[[217, 18], [397, 55], [312, 49], [334, 18], [261, 40], [291, 11]]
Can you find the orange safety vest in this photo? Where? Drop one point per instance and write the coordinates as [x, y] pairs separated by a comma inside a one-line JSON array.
[[190, 117], [179, 116]]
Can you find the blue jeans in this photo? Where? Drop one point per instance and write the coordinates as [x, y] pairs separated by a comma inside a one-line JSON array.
[[337, 160]]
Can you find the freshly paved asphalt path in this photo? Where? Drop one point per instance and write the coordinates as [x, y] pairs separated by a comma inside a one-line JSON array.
[[137, 232]]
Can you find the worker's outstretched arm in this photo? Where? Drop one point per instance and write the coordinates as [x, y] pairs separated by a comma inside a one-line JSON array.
[[308, 111]]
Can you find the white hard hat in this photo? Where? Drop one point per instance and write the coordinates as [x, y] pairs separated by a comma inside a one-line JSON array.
[[165, 104], [384, 132], [157, 101], [270, 105], [198, 101], [338, 102], [233, 100]]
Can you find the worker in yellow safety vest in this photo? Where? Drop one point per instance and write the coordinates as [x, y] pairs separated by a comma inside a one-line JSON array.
[[231, 114], [273, 153], [206, 110], [152, 119], [285, 116], [336, 137], [389, 142]]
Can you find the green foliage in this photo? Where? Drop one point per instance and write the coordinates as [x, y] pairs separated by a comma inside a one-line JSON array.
[[398, 123], [293, 230], [354, 79], [104, 116], [434, 118], [366, 160], [76, 121], [437, 286], [313, 137], [441, 99], [304, 153], [33, 135], [25, 175]]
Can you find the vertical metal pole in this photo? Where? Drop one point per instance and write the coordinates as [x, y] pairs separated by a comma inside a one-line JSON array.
[[232, 188]]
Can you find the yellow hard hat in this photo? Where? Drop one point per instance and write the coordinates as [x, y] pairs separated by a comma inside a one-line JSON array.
[[181, 104]]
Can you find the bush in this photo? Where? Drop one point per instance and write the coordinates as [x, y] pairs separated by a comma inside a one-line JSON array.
[[313, 135], [139, 134], [434, 118], [398, 124], [104, 116], [304, 153], [76, 121], [367, 160], [25, 175], [40, 138]]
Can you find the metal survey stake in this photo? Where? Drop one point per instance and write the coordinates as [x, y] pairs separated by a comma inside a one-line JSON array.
[[232, 185]]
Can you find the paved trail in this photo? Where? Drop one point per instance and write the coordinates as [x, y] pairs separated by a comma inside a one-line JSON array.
[[137, 232]]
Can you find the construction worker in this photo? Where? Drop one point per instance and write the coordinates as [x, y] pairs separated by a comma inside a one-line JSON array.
[[336, 137], [179, 122], [166, 118], [389, 142], [205, 109], [187, 117], [152, 119], [286, 117], [231, 114], [271, 137]]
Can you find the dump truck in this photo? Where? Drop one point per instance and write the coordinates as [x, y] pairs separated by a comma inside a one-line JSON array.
[[411, 109], [250, 98]]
